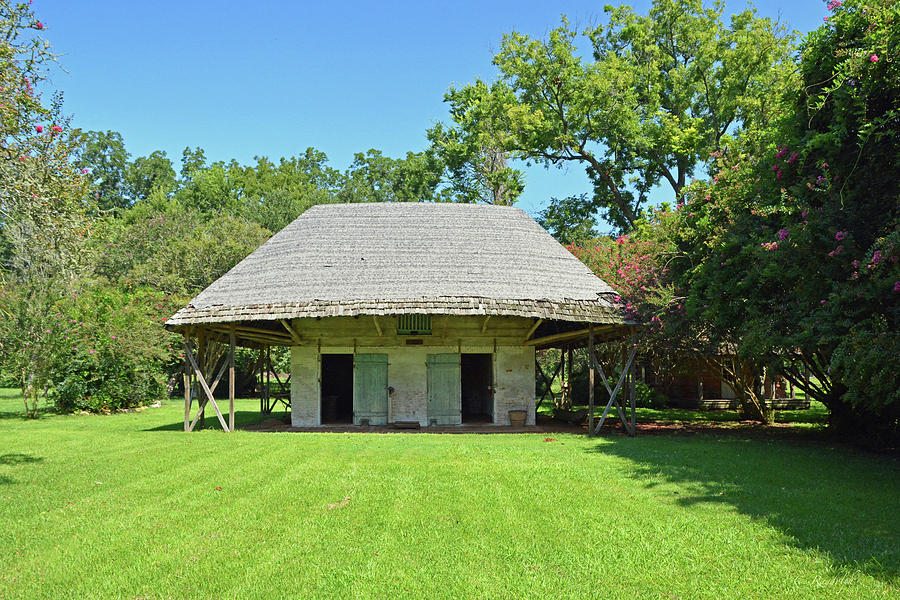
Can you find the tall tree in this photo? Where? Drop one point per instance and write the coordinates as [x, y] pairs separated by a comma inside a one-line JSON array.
[[148, 174], [43, 205], [793, 247], [374, 177], [104, 156], [661, 93], [473, 148]]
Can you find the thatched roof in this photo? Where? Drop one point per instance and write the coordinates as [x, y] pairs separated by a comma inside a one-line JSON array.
[[393, 258]]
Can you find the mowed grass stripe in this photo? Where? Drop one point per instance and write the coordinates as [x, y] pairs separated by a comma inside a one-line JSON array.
[[435, 516]]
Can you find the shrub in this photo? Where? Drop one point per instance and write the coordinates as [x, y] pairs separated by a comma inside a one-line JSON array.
[[647, 397]]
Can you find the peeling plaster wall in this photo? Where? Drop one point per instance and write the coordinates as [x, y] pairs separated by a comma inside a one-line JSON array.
[[304, 387], [513, 363]]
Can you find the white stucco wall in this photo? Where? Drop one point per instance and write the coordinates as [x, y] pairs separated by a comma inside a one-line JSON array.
[[513, 382], [305, 387], [513, 366]]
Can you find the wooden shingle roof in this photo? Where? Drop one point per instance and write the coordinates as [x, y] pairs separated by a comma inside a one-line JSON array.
[[396, 258]]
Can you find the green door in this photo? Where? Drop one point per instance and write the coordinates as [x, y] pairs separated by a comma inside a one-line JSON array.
[[370, 388], [444, 406]]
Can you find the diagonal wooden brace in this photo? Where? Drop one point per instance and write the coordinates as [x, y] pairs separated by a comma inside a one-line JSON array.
[[613, 393], [614, 399], [549, 382], [204, 402], [206, 390]]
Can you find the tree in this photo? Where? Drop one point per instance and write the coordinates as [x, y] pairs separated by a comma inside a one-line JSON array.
[[104, 156], [43, 206], [795, 242], [374, 177], [149, 173], [473, 149], [570, 220], [662, 92], [191, 162]]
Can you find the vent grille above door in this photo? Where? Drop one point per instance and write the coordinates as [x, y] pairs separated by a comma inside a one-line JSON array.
[[414, 325]]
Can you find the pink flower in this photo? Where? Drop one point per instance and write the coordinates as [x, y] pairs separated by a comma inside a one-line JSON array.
[[839, 236], [783, 234], [84, 171], [873, 58], [39, 129], [56, 128], [821, 302], [39, 25], [90, 351], [897, 287]]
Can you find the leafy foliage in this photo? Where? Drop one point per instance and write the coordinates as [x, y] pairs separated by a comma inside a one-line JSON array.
[[661, 93]]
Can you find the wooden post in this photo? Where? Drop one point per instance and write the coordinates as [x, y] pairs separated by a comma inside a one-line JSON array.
[[633, 398], [259, 383], [569, 387], [591, 380], [562, 379], [201, 362], [187, 387], [231, 380]]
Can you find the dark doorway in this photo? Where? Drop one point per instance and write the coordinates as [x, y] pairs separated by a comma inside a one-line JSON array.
[[337, 388], [476, 377]]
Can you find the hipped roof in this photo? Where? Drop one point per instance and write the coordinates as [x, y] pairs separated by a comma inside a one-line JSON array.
[[396, 258]]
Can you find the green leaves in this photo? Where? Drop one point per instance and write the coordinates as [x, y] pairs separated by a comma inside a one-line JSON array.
[[662, 92]]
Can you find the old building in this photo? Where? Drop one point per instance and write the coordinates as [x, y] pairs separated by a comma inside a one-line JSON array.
[[425, 313]]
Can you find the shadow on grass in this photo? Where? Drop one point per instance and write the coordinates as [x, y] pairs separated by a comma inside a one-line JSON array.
[[822, 498], [21, 416], [16, 458], [211, 421]]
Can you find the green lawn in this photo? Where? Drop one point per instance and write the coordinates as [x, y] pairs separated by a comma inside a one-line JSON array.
[[129, 506]]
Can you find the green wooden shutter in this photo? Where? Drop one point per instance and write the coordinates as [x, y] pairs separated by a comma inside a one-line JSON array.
[[444, 399], [370, 388]]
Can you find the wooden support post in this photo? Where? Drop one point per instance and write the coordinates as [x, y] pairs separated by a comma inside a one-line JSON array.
[[632, 397], [231, 381], [187, 388], [259, 371], [562, 379], [569, 401], [212, 390], [591, 380], [206, 390], [614, 392], [201, 359]]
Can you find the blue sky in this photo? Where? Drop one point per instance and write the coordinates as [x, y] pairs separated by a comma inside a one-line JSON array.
[[241, 79]]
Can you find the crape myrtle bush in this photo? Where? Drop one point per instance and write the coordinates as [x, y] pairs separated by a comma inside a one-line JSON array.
[[794, 241], [106, 349], [788, 254]]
